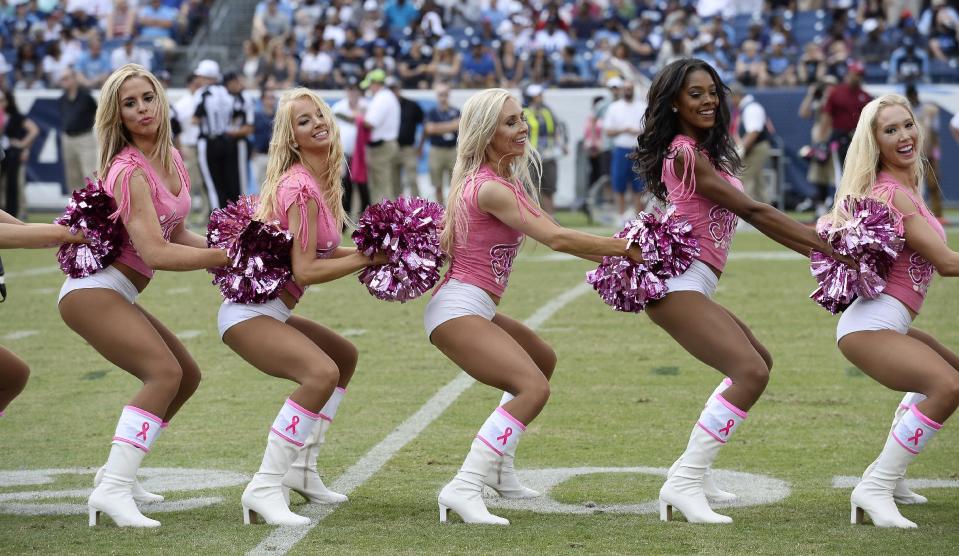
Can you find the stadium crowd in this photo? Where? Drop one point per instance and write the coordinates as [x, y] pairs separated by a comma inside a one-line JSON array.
[[39, 39], [768, 43]]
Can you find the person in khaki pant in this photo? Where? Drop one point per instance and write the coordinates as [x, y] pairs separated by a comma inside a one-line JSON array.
[[77, 109], [752, 133], [382, 118], [442, 125]]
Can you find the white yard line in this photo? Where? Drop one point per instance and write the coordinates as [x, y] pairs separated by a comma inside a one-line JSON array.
[[33, 271], [282, 539]]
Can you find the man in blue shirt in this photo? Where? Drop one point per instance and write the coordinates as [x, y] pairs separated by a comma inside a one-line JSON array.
[[442, 125], [479, 67], [94, 64], [156, 21], [400, 14]]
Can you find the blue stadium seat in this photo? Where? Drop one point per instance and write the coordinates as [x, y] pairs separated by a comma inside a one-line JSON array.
[[877, 73], [943, 72]]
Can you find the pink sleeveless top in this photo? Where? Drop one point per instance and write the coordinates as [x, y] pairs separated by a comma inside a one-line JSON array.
[[485, 257], [298, 186], [171, 209], [911, 274], [713, 225]]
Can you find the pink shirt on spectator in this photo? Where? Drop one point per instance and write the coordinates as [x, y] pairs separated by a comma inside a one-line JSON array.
[[297, 186], [484, 258], [714, 226], [171, 209], [911, 274]]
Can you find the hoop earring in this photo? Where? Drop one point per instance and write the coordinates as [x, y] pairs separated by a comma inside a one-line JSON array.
[[295, 146], [675, 109]]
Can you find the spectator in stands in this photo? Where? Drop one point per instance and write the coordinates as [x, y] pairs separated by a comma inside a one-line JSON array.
[[818, 154], [262, 132], [551, 37], [156, 22], [750, 128], [193, 14], [409, 140], [619, 64], [672, 49], [843, 107], [512, 65], [586, 21], [871, 46], [837, 60], [351, 58], [380, 59], [944, 35], [334, 29], [925, 23], [540, 67], [749, 64], [251, 63], [370, 21], [130, 53], [480, 68], [415, 69], [54, 64], [547, 134], [927, 114], [273, 20], [346, 111], [909, 63], [77, 109], [183, 110], [279, 68], [48, 29], [28, 69], [382, 119], [623, 122], [571, 70], [400, 14], [94, 64], [82, 23], [316, 66], [778, 69], [305, 18], [19, 133], [779, 32], [431, 20], [447, 62], [640, 42], [121, 21], [706, 50], [812, 65], [442, 128]]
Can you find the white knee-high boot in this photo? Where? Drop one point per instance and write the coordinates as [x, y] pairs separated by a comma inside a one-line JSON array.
[[503, 480], [874, 494], [464, 494], [263, 496], [140, 496], [684, 489], [136, 432], [902, 494], [713, 493], [303, 476]]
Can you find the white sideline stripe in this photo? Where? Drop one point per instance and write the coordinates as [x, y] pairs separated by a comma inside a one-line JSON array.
[[20, 334], [33, 271], [189, 334], [733, 256], [282, 539]]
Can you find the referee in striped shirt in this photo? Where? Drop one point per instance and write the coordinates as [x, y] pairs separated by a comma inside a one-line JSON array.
[[225, 120]]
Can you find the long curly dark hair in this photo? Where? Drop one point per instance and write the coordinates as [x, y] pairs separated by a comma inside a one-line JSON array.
[[661, 125]]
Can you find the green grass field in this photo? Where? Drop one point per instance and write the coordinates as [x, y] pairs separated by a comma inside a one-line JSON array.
[[624, 395]]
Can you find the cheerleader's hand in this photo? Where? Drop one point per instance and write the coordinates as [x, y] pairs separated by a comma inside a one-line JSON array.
[[71, 237]]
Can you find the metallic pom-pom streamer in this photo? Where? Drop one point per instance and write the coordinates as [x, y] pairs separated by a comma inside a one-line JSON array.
[[89, 211]]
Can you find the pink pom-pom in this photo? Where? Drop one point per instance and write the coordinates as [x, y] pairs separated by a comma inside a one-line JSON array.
[[89, 211], [668, 248], [407, 230], [259, 254], [873, 237]]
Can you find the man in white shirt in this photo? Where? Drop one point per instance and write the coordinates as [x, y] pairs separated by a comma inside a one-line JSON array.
[[346, 110], [752, 137], [130, 53], [183, 110], [383, 120], [623, 123]]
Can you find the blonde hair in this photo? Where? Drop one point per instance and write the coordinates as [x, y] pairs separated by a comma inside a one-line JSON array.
[[113, 136], [478, 122], [863, 160], [283, 154]]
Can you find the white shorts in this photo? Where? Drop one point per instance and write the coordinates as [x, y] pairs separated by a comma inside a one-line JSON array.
[[457, 299], [108, 278], [883, 313], [232, 314], [699, 277]]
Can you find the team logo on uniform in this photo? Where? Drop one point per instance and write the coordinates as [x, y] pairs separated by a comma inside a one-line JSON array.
[[168, 223], [501, 260], [920, 272], [722, 225]]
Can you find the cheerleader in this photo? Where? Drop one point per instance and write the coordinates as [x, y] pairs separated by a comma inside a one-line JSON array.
[[302, 192], [689, 160], [491, 207], [876, 335], [145, 176], [16, 234]]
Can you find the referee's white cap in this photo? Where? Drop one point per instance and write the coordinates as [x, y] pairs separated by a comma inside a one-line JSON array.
[[209, 69]]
